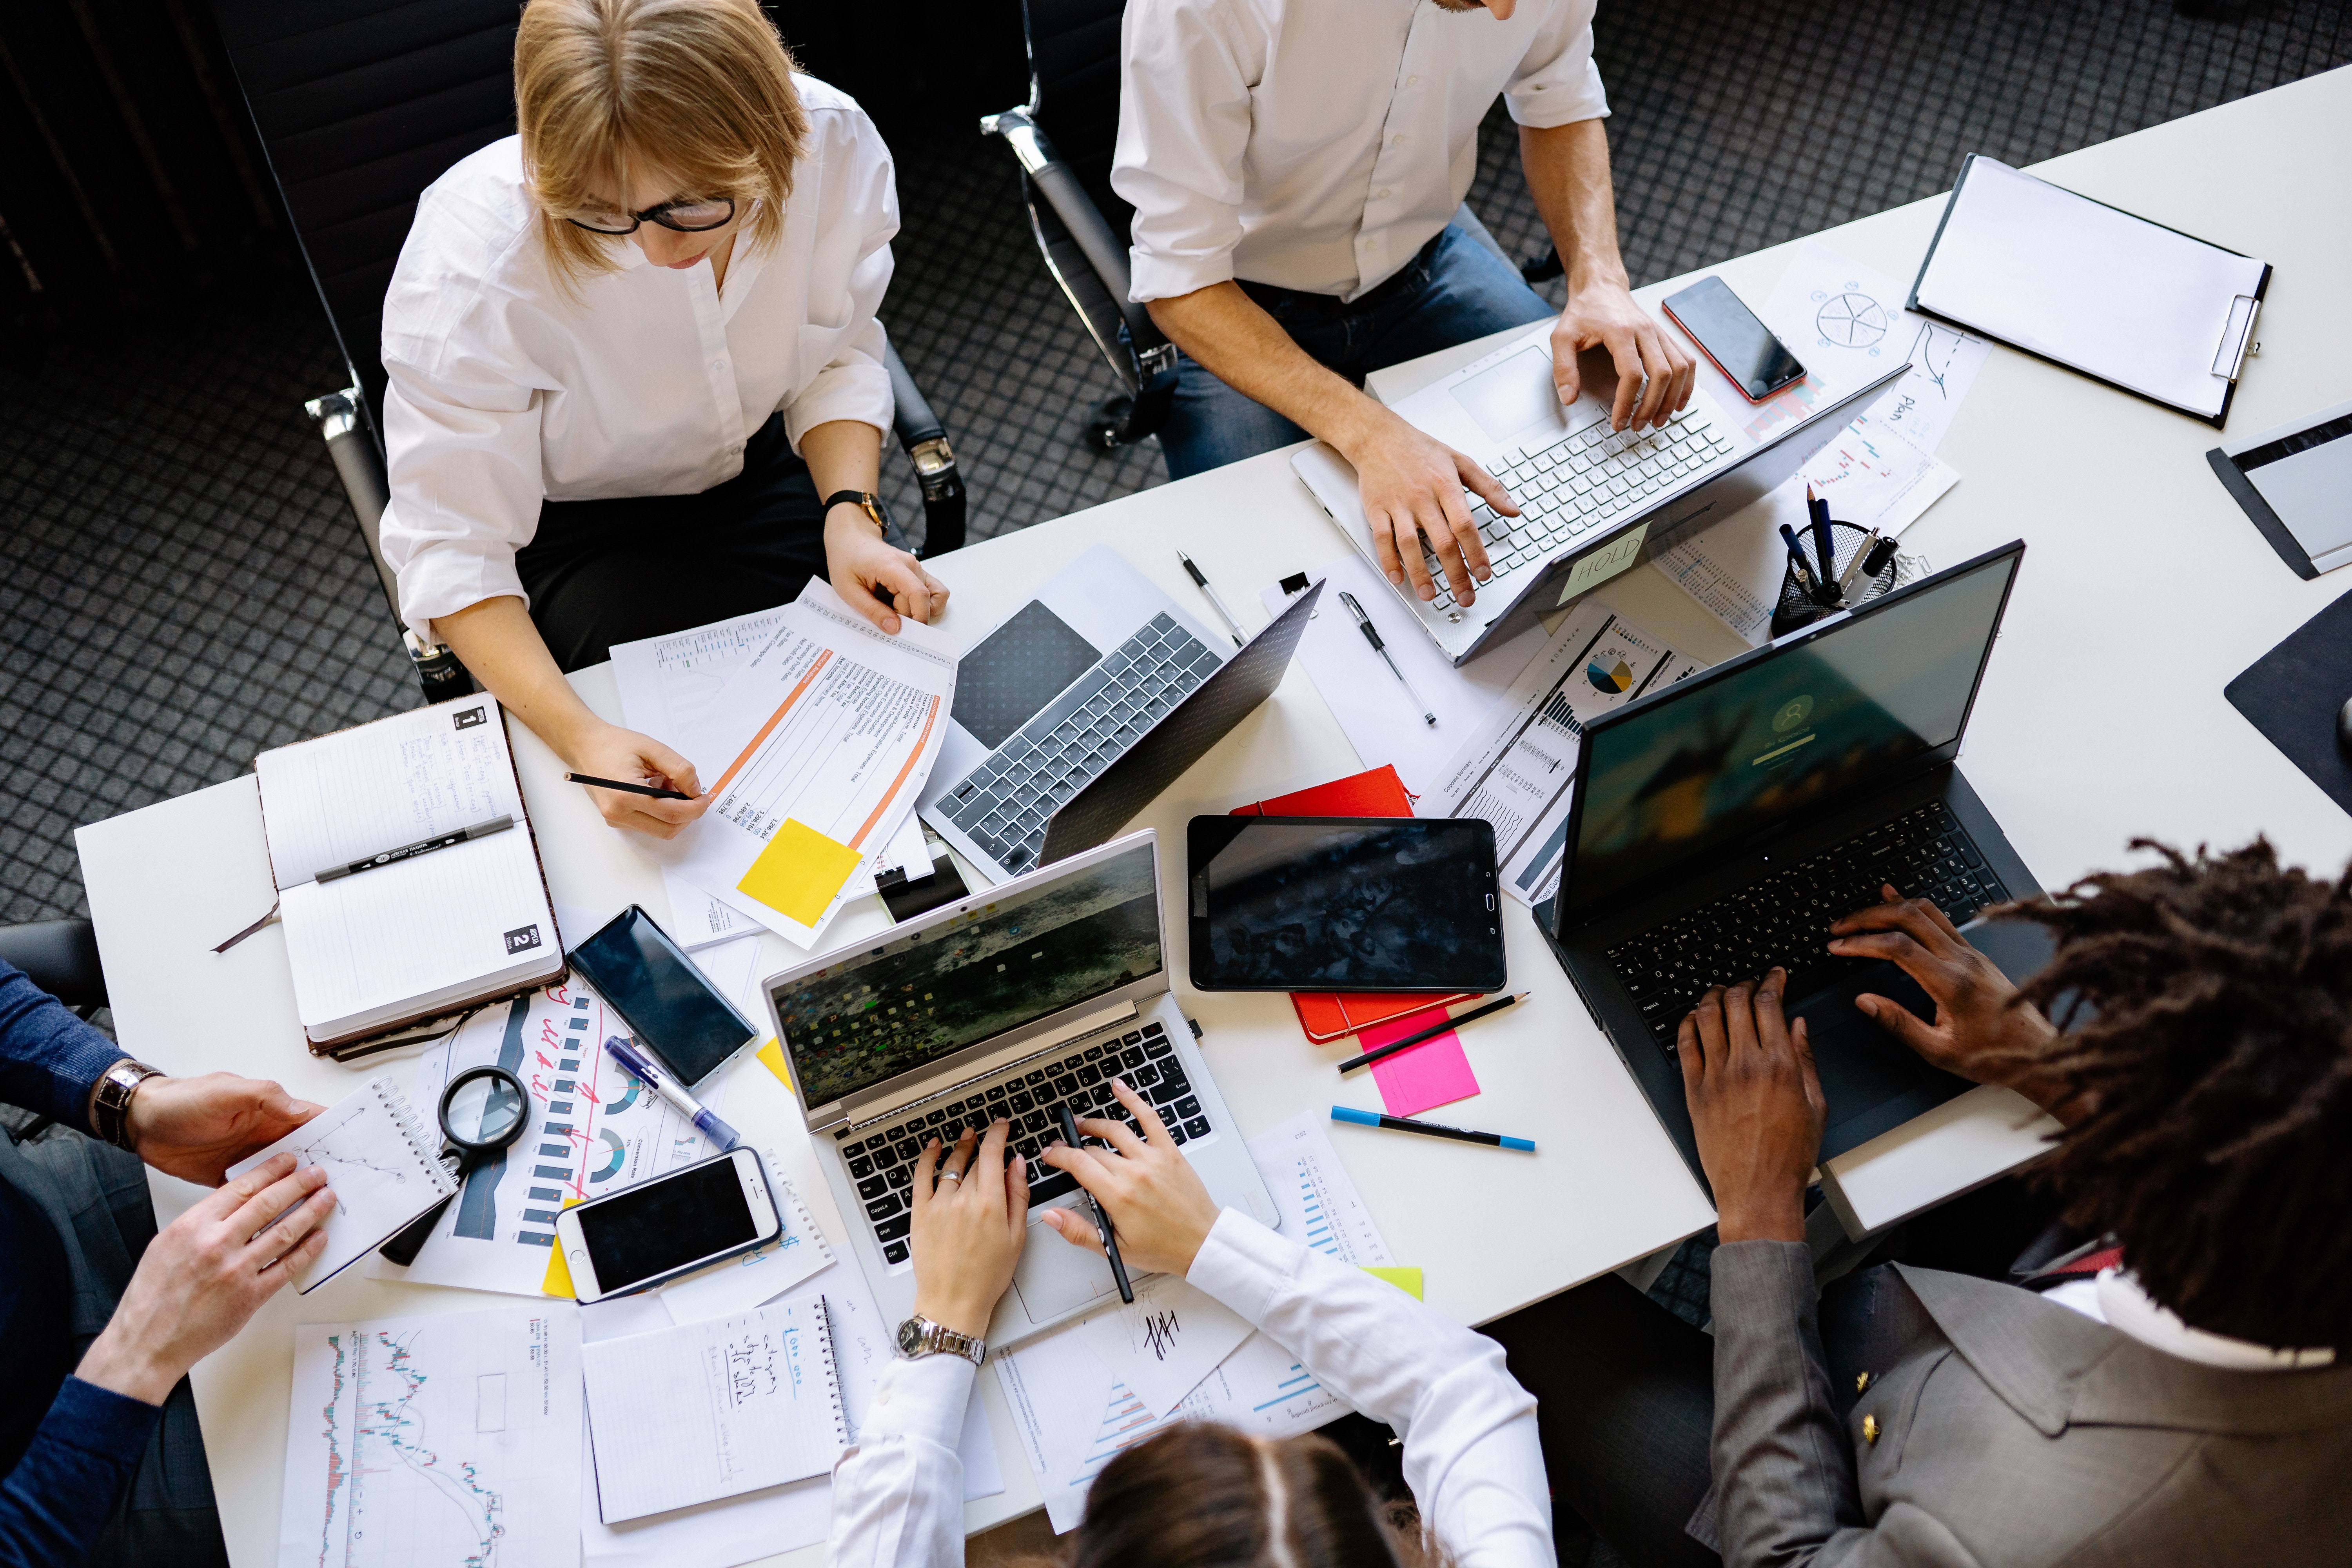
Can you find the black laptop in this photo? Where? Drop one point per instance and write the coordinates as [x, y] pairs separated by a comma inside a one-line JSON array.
[[1720, 824]]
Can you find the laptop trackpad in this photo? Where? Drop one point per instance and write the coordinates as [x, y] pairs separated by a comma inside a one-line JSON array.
[[1052, 1277], [1872, 1081]]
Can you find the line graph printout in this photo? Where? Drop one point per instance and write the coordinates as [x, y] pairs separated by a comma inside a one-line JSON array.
[[813, 752], [441, 1442], [1316, 1198], [380, 1164], [1846, 323]]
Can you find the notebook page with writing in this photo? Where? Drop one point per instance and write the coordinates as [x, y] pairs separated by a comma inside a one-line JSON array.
[[713, 1409], [2106, 292], [345, 796], [383, 1163]]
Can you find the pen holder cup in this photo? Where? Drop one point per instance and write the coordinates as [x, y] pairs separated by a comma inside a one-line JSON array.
[[1797, 608]]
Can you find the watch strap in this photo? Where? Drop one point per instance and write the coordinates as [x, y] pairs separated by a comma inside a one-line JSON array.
[[866, 502], [111, 1112], [920, 1337]]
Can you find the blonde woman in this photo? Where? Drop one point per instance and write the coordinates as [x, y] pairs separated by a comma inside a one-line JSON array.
[[635, 380]]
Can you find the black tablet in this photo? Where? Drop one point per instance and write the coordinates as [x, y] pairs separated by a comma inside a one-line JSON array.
[[1344, 903]]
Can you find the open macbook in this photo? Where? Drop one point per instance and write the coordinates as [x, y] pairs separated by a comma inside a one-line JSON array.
[[1589, 498]]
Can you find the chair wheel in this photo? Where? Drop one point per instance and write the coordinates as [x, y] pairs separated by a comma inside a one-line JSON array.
[[1106, 420]]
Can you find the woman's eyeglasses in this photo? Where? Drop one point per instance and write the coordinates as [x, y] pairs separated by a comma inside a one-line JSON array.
[[692, 216]]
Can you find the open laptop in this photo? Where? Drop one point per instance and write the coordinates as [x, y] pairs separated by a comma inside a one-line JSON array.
[[1002, 1004], [1589, 497], [1720, 824], [1086, 704]]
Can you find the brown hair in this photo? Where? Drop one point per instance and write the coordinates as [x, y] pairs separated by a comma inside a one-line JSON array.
[[2211, 1046], [700, 91], [1200, 1495]]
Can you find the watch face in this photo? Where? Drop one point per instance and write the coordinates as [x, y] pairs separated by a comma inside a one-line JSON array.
[[910, 1335]]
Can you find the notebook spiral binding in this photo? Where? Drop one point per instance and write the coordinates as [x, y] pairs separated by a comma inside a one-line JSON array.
[[421, 1142], [831, 1371]]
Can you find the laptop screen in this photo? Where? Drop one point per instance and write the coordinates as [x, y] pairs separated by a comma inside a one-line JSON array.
[[1716, 760], [997, 968]]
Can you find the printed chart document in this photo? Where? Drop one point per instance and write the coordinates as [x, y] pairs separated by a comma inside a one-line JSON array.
[[814, 750], [594, 1129], [1517, 770], [450, 1439], [1314, 1194], [708, 1410], [1847, 323], [381, 1163]]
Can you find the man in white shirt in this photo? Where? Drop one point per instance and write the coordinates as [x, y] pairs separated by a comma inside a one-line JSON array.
[[1296, 166]]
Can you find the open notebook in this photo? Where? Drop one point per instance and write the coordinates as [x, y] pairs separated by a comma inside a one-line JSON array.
[[395, 946], [383, 1163], [713, 1409]]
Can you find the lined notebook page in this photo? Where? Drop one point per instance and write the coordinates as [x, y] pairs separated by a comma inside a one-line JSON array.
[[345, 796], [713, 1409], [381, 1163]]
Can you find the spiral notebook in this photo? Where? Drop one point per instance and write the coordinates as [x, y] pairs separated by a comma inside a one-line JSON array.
[[382, 1162], [712, 1410]]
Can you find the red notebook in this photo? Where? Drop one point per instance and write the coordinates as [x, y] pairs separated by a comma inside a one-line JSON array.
[[1377, 793]]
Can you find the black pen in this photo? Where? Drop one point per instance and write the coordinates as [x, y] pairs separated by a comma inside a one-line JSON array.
[[1804, 568], [1824, 546], [654, 790], [422, 846], [1201, 582], [1428, 1128], [1102, 1220], [1372, 635], [1381, 1053]]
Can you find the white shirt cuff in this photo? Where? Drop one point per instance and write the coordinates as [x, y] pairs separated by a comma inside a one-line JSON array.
[[1242, 1264], [858, 390], [1155, 277], [922, 1398]]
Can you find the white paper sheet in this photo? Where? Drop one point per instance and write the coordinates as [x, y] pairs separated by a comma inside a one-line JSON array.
[[1164, 1343], [1380, 721], [1314, 1194], [379, 1157], [412, 1442]]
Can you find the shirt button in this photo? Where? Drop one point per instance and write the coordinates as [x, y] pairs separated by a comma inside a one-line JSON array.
[[1401, 139], [1383, 192], [719, 364], [1412, 81]]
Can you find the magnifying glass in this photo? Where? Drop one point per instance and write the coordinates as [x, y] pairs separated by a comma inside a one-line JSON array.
[[483, 1110]]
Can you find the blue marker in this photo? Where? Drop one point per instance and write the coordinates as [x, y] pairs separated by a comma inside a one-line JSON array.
[[1428, 1128], [710, 1126]]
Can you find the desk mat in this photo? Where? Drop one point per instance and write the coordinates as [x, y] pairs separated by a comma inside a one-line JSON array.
[[2293, 692]]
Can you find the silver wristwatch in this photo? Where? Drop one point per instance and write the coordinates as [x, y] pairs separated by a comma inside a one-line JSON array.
[[920, 1337], [111, 1112]]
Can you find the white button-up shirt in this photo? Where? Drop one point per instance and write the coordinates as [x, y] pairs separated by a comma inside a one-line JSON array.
[[1318, 145], [1471, 1453], [505, 390]]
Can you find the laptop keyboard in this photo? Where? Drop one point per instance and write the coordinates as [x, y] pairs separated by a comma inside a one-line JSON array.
[[882, 1156], [1583, 482], [1005, 802], [1784, 919]]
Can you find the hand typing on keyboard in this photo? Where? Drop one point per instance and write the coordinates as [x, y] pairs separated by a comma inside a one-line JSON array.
[[971, 1215], [1756, 1107], [1156, 1200], [1410, 484]]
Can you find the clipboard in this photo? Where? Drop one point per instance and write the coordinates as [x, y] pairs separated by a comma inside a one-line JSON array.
[[1991, 252]]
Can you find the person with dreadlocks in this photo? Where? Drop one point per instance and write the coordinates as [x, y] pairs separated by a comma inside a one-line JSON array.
[[2181, 1403]]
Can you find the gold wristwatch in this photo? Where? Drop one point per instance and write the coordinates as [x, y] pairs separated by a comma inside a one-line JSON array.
[[109, 1113], [866, 502], [920, 1337]]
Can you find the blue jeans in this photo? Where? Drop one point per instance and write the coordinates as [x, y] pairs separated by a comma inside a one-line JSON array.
[[1453, 291]]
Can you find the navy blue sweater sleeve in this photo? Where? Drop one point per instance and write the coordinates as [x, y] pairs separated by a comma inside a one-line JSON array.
[[48, 1058], [61, 1494]]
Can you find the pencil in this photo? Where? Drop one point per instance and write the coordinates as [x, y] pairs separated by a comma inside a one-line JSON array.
[[1379, 1053], [652, 790]]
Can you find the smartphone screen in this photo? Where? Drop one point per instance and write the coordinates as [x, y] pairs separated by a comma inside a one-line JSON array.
[[1727, 332], [665, 1224], [668, 1006], [1329, 903]]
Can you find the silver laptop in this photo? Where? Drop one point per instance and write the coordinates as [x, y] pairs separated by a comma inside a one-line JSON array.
[[1086, 704], [1003, 1004], [1589, 497]]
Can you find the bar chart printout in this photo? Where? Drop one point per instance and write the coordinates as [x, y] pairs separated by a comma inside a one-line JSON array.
[[442, 1442]]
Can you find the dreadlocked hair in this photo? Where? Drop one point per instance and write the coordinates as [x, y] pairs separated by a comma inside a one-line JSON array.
[[2208, 1005]]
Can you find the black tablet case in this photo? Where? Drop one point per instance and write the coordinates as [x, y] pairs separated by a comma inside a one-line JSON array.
[[2292, 693]]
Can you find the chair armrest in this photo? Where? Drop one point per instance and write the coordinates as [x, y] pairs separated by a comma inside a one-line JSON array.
[[60, 957], [1105, 252], [925, 438]]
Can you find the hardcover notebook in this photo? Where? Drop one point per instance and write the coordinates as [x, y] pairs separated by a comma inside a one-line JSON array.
[[400, 944], [1378, 792], [383, 1163], [712, 1409]]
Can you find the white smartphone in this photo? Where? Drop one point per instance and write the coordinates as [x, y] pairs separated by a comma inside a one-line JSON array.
[[670, 1226]]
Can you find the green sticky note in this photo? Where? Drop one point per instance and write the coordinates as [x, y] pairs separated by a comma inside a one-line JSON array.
[[1405, 1279]]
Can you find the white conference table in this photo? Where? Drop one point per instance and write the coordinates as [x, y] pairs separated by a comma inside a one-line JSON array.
[[2102, 718]]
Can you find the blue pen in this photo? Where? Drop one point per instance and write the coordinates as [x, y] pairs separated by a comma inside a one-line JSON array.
[[710, 1126], [1805, 578], [1428, 1128]]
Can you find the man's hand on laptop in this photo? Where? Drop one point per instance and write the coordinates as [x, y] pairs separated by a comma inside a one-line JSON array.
[[1756, 1108], [1156, 1200], [1604, 315], [1982, 1031], [1411, 484], [971, 1215]]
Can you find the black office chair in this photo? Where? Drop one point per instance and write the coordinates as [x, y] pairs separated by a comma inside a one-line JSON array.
[[61, 958], [1081, 223], [361, 104]]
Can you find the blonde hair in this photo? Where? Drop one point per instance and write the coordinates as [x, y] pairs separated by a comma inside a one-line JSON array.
[[700, 90]]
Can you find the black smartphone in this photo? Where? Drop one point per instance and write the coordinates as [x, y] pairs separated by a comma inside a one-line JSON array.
[[1729, 333], [647, 979], [1344, 903]]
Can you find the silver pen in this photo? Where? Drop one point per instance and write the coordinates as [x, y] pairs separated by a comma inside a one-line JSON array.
[[1853, 568], [1372, 635], [1224, 613]]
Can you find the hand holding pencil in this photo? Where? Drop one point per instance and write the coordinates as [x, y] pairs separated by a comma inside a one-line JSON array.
[[636, 781]]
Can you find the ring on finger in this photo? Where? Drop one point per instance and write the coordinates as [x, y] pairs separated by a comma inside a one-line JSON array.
[[950, 1175]]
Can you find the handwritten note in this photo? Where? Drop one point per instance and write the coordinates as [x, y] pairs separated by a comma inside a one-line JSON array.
[[1164, 1344]]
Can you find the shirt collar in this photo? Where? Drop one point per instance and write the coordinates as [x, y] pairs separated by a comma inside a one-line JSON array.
[[2132, 1311]]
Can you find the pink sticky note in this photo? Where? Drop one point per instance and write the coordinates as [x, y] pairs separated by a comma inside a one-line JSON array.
[[1433, 1072]]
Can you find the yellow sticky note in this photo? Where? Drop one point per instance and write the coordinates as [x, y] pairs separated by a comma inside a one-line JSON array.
[[773, 1054], [558, 1281], [1405, 1279], [799, 872]]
